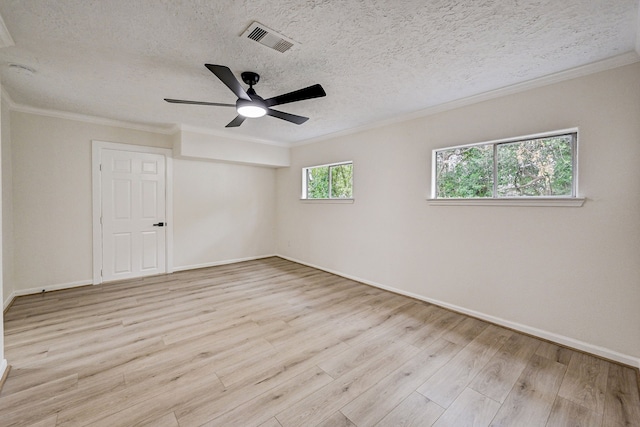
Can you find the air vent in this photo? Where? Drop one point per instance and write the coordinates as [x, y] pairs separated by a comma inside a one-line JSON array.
[[268, 37]]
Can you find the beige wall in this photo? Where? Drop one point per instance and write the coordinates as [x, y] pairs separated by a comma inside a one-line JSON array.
[[3, 111], [52, 208], [209, 146], [570, 273], [7, 205], [222, 212]]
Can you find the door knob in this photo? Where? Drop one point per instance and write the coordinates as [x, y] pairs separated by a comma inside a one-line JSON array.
[[160, 224]]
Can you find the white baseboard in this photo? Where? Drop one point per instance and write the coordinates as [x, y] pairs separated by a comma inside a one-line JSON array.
[[45, 288], [546, 335], [216, 263], [3, 368], [60, 286], [8, 300]]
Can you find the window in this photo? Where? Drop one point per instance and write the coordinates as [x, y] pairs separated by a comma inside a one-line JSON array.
[[334, 181], [540, 166]]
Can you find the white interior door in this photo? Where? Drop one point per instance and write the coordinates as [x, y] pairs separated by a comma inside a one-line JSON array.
[[133, 204]]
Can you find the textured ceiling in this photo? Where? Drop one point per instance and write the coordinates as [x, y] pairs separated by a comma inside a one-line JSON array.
[[376, 59]]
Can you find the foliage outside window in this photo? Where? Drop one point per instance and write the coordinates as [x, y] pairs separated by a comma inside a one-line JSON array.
[[334, 181], [527, 167]]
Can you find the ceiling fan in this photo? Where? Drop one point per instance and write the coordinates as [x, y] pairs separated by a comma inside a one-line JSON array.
[[249, 103]]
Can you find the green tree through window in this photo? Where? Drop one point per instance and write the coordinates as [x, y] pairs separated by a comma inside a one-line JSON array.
[[329, 182], [465, 172], [537, 167], [342, 181], [318, 183]]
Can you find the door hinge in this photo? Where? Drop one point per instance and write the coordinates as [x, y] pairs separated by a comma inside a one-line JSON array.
[[100, 167], [100, 220]]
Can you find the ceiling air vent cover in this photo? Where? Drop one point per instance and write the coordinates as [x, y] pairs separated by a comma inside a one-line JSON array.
[[268, 37]]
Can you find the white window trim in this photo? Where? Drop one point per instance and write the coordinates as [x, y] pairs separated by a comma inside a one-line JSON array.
[[561, 201], [336, 201], [333, 200], [575, 202]]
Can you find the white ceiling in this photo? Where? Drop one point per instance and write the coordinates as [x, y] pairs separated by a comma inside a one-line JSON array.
[[376, 59]]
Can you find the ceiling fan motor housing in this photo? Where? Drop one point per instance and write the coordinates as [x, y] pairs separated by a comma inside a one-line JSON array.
[[250, 78]]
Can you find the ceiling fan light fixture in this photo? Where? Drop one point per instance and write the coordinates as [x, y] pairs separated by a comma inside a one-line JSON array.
[[250, 109]]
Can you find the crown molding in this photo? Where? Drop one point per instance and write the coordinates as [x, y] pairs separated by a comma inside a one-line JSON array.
[[21, 108], [584, 70], [5, 38]]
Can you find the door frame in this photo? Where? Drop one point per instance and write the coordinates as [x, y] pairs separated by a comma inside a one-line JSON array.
[[96, 159]]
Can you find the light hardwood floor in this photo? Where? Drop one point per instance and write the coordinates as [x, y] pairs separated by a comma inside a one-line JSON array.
[[275, 344]]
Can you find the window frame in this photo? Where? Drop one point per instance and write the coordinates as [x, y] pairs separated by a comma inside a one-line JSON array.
[[573, 200], [304, 196]]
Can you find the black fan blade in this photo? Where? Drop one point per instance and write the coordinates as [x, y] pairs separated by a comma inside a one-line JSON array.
[[226, 76], [236, 122], [314, 91], [181, 101], [286, 116]]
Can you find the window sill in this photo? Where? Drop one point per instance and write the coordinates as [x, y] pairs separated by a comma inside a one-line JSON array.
[[336, 201], [542, 201]]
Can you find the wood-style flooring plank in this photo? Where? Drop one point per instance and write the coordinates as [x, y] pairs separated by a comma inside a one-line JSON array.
[[264, 407], [167, 398], [49, 401], [168, 420], [46, 422], [355, 356], [320, 405], [374, 323], [337, 420], [163, 389], [271, 422], [621, 400], [197, 354], [445, 385], [415, 411], [206, 407], [498, 376], [465, 331], [469, 409], [530, 401], [567, 413], [261, 366], [372, 405], [585, 381], [425, 336], [18, 408]]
